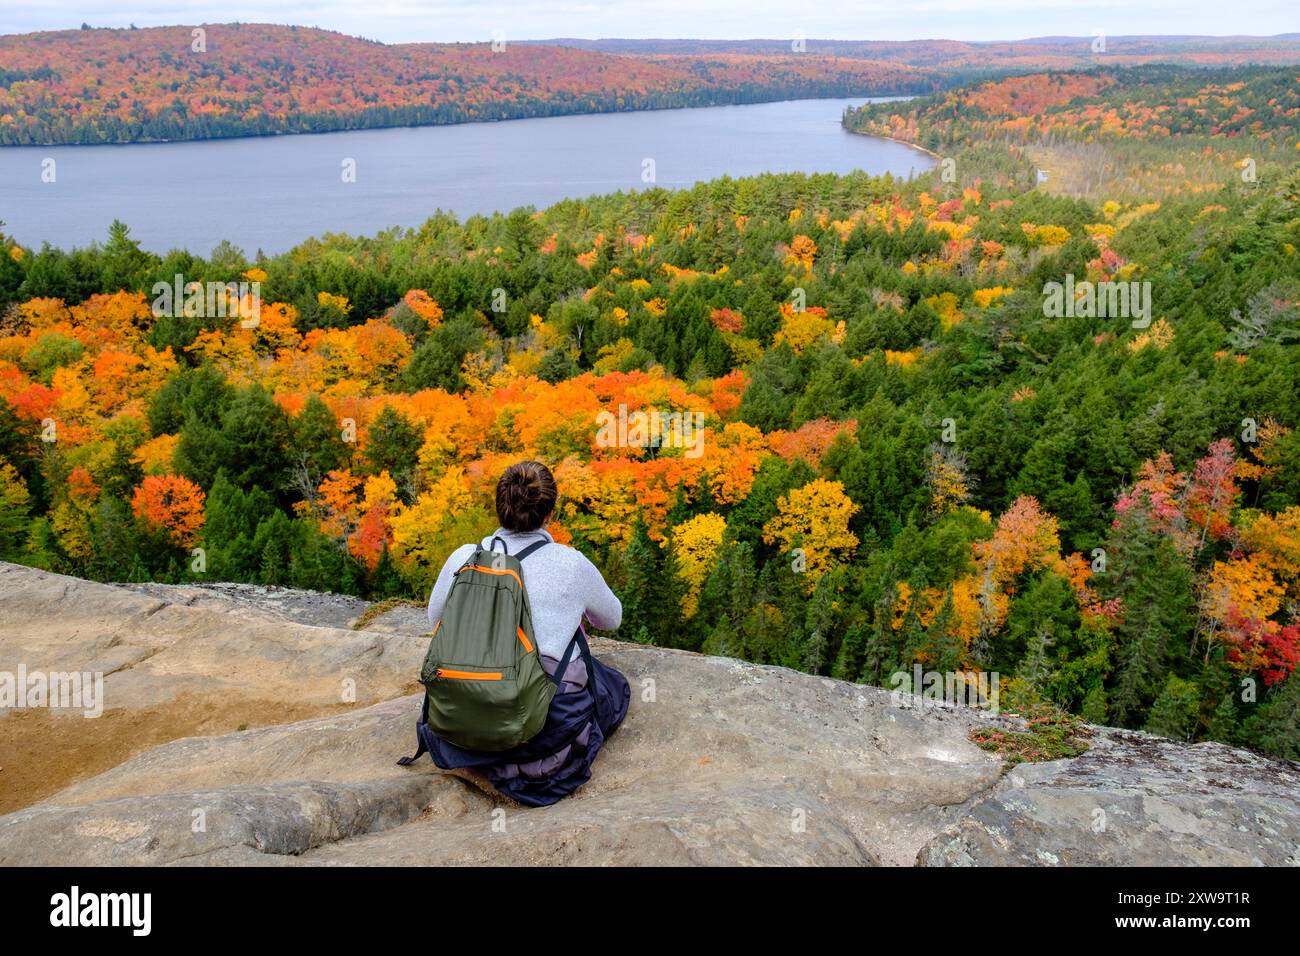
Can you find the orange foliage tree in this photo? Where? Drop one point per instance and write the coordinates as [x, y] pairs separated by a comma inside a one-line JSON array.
[[172, 505]]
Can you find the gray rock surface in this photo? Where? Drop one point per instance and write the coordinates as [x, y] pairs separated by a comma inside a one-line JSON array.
[[303, 607], [1133, 799], [719, 761], [154, 647]]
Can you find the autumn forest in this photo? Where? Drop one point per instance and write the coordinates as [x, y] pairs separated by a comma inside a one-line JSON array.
[[219, 80], [906, 458]]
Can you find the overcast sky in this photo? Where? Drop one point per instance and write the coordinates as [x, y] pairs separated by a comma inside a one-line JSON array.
[[477, 20]]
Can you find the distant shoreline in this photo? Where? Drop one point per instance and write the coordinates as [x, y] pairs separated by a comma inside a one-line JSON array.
[[894, 139], [280, 134]]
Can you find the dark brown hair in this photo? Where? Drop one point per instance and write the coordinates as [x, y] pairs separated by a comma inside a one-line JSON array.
[[525, 496]]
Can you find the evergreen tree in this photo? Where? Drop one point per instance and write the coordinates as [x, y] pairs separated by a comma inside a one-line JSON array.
[[882, 655], [1044, 611], [116, 543], [272, 546], [947, 647], [726, 598], [436, 363], [1223, 725], [315, 563], [316, 447], [125, 264], [15, 503], [819, 622], [232, 522], [1154, 584], [1095, 709], [776, 382], [1276, 727], [642, 591], [199, 394], [393, 445], [850, 657], [385, 582], [249, 440], [1174, 712]]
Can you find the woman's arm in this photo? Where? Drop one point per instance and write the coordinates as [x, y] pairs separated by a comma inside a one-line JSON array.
[[442, 587], [604, 609]]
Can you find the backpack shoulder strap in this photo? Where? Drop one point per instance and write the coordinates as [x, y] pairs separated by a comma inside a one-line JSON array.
[[579, 643], [530, 549], [558, 676]]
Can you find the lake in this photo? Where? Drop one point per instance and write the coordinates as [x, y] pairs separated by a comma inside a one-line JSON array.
[[271, 193]]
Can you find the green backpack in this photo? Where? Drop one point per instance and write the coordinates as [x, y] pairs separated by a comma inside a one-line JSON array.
[[484, 685]]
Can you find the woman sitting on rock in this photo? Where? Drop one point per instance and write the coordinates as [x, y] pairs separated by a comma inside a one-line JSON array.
[[512, 691]]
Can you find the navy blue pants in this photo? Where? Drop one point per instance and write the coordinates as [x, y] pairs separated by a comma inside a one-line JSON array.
[[556, 762]]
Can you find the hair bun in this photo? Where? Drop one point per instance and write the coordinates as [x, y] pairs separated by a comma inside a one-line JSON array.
[[526, 496]]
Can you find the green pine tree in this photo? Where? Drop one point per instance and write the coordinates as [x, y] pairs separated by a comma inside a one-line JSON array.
[[1276, 727], [642, 589], [1095, 708], [819, 622], [1174, 713], [1223, 724], [850, 658], [1154, 583]]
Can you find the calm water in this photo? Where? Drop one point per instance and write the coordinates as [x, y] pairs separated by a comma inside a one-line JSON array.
[[271, 193]]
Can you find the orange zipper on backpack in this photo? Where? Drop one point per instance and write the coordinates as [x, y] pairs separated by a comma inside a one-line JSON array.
[[479, 567], [467, 675], [523, 639]]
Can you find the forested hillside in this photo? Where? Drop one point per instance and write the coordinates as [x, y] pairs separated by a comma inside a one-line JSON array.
[[167, 83], [1114, 133], [1036, 53], [907, 457], [183, 82]]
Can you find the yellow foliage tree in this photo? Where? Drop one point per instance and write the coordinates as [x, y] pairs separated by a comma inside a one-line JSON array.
[[947, 306], [155, 456], [983, 298], [1160, 337], [14, 504], [804, 328], [695, 543], [419, 531], [816, 519]]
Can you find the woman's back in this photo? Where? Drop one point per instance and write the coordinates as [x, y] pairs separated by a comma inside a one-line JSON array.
[[591, 697], [562, 586]]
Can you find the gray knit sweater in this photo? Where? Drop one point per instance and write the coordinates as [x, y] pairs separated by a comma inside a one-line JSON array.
[[562, 586]]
